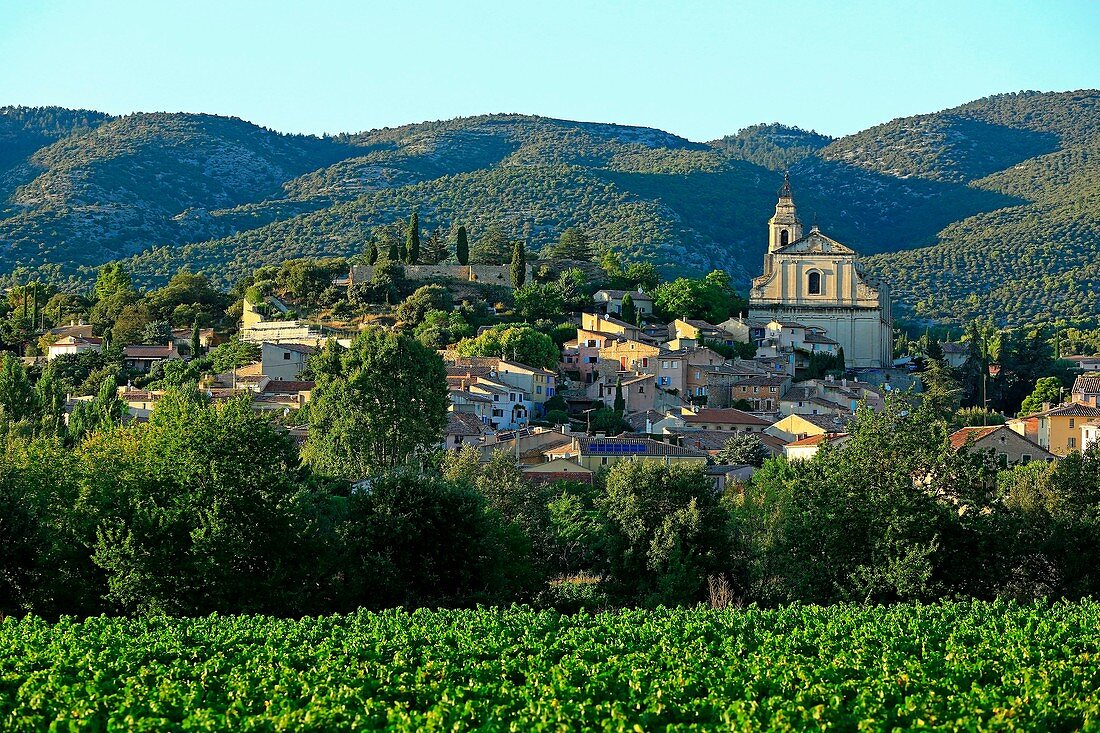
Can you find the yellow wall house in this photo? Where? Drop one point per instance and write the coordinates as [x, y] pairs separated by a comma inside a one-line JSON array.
[[1060, 427], [595, 452], [797, 427]]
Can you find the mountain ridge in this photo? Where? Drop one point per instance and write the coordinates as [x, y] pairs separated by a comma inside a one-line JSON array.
[[1010, 178]]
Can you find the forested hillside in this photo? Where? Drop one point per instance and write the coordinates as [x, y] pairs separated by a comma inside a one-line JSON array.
[[989, 208]]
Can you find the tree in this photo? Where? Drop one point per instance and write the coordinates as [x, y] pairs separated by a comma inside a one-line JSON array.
[[17, 401], [711, 298], [667, 531], [515, 343], [196, 513], [519, 265], [102, 412], [462, 247], [233, 354], [1047, 390], [417, 539], [393, 254], [384, 403], [573, 244], [942, 392], [743, 449], [196, 340], [387, 280], [157, 332], [372, 253], [620, 400], [112, 280], [491, 248], [49, 399], [414, 308], [412, 239], [435, 249], [629, 313]]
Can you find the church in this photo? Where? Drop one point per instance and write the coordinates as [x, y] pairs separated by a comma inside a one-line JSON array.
[[817, 282]]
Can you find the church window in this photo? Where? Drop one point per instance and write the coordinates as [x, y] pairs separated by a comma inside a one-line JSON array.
[[784, 237], [814, 283]]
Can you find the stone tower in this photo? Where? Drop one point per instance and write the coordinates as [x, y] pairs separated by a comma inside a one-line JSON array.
[[784, 227]]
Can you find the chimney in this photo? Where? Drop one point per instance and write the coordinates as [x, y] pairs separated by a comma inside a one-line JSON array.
[[844, 382], [1046, 406]]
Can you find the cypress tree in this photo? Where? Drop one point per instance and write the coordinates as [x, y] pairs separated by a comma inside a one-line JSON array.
[[412, 239], [462, 247], [372, 253], [519, 265], [394, 255], [620, 400], [629, 313], [196, 340], [34, 309]]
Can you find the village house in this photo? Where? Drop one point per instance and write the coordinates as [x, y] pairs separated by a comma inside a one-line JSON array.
[[1086, 389], [581, 357], [594, 453], [761, 391], [73, 345], [141, 358], [824, 396], [724, 419], [639, 394], [610, 302], [744, 330], [511, 407], [1005, 445], [463, 429], [478, 405], [611, 325], [797, 427], [697, 331], [1090, 434], [807, 448], [1084, 363], [1060, 427], [955, 355], [285, 360], [181, 338], [539, 384], [558, 469]]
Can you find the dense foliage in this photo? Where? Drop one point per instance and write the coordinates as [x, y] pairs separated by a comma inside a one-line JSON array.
[[951, 666]]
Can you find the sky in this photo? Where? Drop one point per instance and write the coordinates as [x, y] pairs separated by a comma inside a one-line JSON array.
[[699, 69]]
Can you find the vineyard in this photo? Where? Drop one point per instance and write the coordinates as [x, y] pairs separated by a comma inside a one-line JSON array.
[[964, 666]]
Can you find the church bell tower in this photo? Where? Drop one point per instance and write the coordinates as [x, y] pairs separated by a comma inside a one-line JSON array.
[[784, 227]]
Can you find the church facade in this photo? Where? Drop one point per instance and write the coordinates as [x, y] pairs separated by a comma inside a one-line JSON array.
[[816, 281]]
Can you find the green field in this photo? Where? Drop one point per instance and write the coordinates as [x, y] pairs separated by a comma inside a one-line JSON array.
[[966, 666]]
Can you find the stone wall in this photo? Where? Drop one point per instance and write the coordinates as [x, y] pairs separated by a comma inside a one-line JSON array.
[[486, 274]]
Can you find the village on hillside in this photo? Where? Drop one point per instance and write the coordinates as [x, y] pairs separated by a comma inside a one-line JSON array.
[[783, 378]]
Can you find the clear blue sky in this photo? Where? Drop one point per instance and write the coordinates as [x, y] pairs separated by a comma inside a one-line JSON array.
[[698, 69]]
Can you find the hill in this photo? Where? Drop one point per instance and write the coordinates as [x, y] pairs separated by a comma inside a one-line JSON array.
[[963, 210]]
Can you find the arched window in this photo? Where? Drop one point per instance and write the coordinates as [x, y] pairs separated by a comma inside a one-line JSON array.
[[815, 283], [784, 238]]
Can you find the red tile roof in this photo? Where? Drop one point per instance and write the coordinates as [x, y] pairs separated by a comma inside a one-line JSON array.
[[959, 438], [725, 415]]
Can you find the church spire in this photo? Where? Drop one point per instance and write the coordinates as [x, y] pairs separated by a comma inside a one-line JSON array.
[[784, 227]]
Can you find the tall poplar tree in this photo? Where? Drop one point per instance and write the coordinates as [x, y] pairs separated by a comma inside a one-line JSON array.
[[412, 239], [519, 265], [462, 247]]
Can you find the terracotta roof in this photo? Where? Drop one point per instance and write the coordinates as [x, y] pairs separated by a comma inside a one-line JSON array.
[[832, 423], [816, 439], [725, 415], [297, 348], [148, 352], [1087, 383], [959, 438], [1073, 409], [278, 386], [463, 423]]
